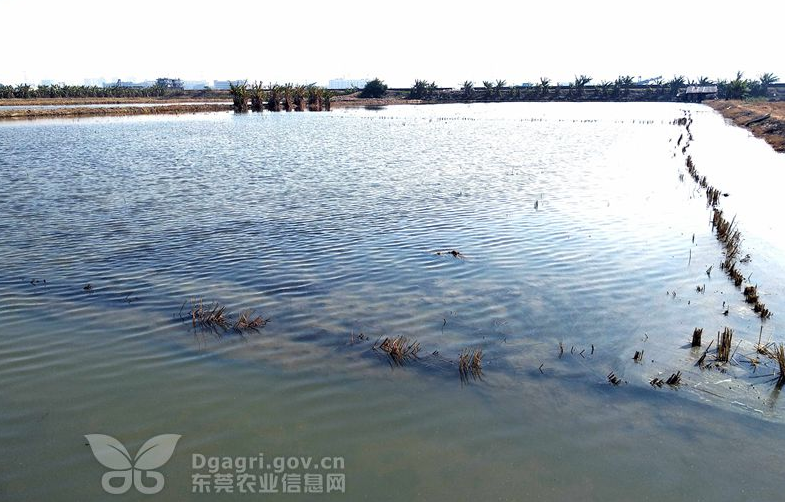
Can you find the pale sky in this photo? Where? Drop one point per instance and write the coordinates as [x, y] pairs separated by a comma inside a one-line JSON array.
[[398, 41]]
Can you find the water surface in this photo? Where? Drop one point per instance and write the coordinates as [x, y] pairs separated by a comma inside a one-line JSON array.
[[574, 227]]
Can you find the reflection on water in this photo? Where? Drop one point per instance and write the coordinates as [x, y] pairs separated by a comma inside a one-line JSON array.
[[573, 227]]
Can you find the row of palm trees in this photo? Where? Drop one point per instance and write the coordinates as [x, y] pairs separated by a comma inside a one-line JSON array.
[[276, 97], [26, 91], [620, 88]]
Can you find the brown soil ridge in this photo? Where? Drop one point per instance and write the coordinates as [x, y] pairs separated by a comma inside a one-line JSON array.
[[765, 120], [35, 113]]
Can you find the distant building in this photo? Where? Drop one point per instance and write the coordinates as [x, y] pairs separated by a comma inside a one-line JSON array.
[[223, 85], [136, 85], [195, 85], [343, 83], [697, 93]]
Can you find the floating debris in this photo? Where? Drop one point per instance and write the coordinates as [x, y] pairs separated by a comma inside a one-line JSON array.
[[87, 287], [613, 379], [638, 357], [452, 252]]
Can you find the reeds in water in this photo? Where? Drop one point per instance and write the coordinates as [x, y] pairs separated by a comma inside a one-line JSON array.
[[751, 294], [696, 337], [248, 321], [724, 342], [779, 356], [208, 316], [470, 364], [399, 349]]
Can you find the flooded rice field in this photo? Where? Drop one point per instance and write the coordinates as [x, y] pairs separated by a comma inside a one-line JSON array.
[[246, 282]]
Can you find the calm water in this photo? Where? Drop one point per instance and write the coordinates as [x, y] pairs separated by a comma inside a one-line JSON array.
[[573, 224]]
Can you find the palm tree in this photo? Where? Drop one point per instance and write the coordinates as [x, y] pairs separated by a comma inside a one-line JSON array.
[[500, 84], [766, 80], [299, 98], [420, 89], [604, 88], [287, 98], [468, 89], [315, 98], [257, 97], [544, 84], [488, 88], [274, 98], [737, 88], [239, 94], [676, 83], [580, 83]]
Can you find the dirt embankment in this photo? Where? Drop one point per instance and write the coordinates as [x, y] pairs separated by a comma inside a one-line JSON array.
[[34, 113], [765, 120]]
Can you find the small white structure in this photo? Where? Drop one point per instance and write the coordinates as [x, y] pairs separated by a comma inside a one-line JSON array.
[[344, 83]]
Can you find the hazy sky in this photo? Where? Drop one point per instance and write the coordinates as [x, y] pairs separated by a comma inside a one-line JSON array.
[[398, 41]]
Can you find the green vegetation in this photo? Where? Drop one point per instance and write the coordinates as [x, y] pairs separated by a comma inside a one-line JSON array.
[[374, 89], [468, 89], [422, 90], [239, 94], [258, 97]]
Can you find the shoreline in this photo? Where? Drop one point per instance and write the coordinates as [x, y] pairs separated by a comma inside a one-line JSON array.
[[764, 119], [87, 111]]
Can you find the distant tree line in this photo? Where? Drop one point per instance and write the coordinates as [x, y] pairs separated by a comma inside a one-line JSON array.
[[162, 87], [25, 91], [623, 88]]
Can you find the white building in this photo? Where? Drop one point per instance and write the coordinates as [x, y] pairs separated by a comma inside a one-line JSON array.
[[195, 85], [223, 85], [344, 83]]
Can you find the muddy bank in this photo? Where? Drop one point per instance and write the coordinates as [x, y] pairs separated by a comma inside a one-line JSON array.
[[34, 113], [765, 120], [112, 100]]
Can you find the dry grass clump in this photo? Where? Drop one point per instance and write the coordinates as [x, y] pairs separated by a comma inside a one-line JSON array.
[[213, 316], [399, 349], [208, 316], [696, 337], [248, 321], [470, 363], [779, 356], [751, 294]]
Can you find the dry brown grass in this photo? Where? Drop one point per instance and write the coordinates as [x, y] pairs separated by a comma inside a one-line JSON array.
[[470, 364], [772, 129], [399, 349]]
